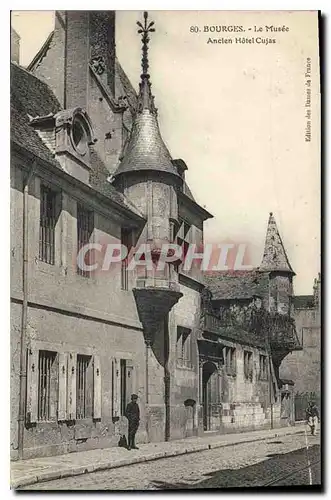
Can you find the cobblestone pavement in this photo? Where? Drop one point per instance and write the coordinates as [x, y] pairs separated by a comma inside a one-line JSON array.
[[233, 466]]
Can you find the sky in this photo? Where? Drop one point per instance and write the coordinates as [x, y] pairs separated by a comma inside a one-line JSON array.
[[236, 114]]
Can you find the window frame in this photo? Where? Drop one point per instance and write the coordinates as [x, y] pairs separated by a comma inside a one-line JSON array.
[[48, 224], [46, 383], [230, 360], [248, 366], [87, 231], [84, 373], [126, 240], [263, 367], [184, 346]]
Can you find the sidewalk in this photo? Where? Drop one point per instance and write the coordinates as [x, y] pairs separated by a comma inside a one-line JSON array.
[[26, 472]]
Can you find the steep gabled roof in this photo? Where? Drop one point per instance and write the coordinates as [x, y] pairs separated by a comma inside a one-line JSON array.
[[30, 96], [274, 256]]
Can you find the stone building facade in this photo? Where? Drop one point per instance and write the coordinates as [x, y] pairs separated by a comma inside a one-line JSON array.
[[89, 166]]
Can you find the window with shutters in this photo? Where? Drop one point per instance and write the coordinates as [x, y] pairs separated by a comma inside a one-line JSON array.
[[248, 365], [229, 354], [47, 393], [48, 218], [184, 347], [83, 387], [85, 226], [263, 373]]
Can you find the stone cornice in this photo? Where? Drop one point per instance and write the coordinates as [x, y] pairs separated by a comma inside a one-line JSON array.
[[78, 312]]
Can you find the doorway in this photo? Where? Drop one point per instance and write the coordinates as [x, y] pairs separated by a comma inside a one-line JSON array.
[[210, 396]]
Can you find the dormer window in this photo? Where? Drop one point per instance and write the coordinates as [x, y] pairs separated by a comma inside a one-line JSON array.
[[79, 135], [73, 138]]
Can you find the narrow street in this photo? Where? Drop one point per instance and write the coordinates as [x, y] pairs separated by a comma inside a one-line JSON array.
[[273, 462]]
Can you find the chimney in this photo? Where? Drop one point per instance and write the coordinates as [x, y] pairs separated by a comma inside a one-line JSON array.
[[14, 46]]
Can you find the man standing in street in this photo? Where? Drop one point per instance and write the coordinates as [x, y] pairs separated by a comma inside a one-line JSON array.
[[132, 413], [312, 416]]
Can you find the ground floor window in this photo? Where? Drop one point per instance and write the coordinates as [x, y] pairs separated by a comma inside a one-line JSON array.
[[83, 387], [46, 389]]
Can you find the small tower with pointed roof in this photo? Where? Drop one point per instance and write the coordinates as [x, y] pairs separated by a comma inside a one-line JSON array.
[[148, 177], [275, 262]]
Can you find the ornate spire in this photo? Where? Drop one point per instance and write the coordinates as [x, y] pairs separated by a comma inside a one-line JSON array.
[[274, 255], [145, 149], [145, 99]]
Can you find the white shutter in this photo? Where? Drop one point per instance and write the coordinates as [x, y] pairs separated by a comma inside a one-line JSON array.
[[63, 386], [72, 385], [32, 386], [96, 387], [116, 385]]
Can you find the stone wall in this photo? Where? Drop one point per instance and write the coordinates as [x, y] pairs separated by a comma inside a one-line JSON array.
[[71, 313], [60, 333], [185, 376]]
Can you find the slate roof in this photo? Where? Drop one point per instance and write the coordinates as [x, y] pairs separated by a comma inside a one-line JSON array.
[[31, 96], [145, 149], [274, 256], [303, 301], [232, 285]]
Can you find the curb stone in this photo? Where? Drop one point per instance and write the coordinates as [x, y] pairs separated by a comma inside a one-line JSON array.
[[86, 469]]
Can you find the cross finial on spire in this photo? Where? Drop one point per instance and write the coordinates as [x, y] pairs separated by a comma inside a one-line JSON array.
[[144, 30], [146, 100]]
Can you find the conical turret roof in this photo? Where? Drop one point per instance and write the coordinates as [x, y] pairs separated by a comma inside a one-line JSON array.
[[145, 149], [274, 255]]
